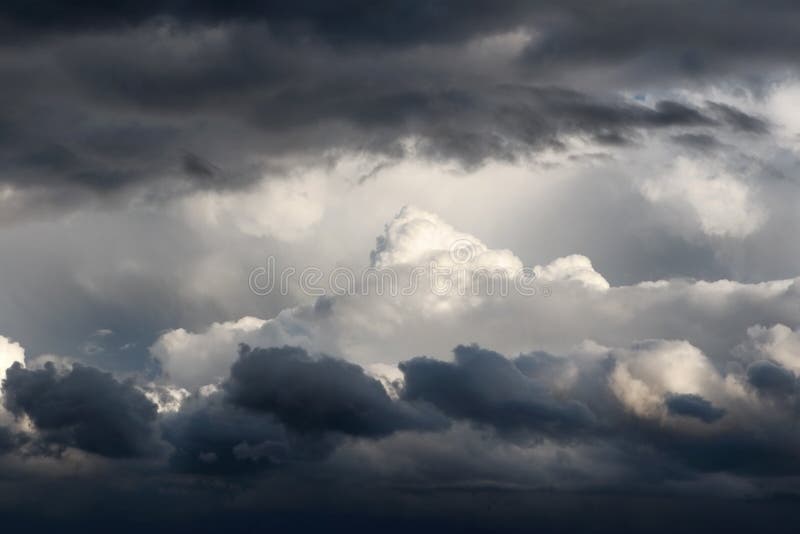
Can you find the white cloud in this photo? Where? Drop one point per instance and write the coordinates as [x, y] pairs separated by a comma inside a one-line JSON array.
[[168, 399], [191, 360], [722, 204], [783, 108], [10, 352], [416, 237], [285, 209], [375, 328], [572, 267]]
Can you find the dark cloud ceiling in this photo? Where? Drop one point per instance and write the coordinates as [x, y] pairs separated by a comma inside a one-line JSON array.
[[169, 97]]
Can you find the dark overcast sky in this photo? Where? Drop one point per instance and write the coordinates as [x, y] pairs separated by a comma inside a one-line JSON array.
[[638, 163]]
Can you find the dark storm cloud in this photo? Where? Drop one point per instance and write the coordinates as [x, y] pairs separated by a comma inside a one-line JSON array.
[[287, 425], [207, 434], [771, 378], [10, 440], [229, 108], [699, 141], [572, 30], [287, 412], [198, 167], [741, 451], [163, 98], [665, 38], [319, 395], [738, 119], [85, 408], [689, 405], [485, 387], [212, 435], [280, 407], [523, 394], [393, 22]]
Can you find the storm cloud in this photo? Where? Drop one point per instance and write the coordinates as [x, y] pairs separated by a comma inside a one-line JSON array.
[[318, 395], [486, 387], [85, 408], [165, 98]]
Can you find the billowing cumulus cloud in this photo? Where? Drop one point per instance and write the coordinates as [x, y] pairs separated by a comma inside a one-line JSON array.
[[10, 353], [461, 303], [85, 408], [485, 387], [770, 377], [698, 400], [189, 360], [317, 395]]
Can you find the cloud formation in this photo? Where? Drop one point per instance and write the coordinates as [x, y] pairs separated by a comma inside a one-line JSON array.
[[85, 408], [169, 99], [582, 312], [485, 387], [317, 395]]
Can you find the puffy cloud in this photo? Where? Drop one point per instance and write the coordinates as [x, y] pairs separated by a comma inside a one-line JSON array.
[[281, 405], [189, 359], [661, 398], [318, 395], [167, 398], [416, 237], [421, 265], [651, 371], [570, 302], [85, 408], [192, 360], [572, 267], [485, 387], [771, 378], [10, 353]]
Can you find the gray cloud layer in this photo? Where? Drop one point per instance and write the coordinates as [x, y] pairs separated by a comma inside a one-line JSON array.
[[165, 98]]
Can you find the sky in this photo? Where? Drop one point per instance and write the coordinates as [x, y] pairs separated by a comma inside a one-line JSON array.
[[449, 266]]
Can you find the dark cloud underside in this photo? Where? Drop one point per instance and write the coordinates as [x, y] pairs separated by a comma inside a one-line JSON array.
[[85, 408], [175, 96]]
